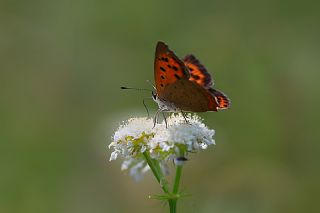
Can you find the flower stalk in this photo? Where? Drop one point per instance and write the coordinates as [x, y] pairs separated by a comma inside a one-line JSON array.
[[174, 195], [156, 172], [177, 179]]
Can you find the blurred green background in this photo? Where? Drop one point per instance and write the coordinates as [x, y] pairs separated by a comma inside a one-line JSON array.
[[61, 66]]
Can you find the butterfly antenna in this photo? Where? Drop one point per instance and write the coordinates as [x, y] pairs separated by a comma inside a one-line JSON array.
[[143, 101], [133, 88]]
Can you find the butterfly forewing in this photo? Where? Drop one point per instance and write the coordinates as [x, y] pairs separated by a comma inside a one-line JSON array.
[[168, 68]]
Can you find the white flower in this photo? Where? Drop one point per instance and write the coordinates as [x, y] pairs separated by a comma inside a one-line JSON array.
[[136, 167], [176, 140]]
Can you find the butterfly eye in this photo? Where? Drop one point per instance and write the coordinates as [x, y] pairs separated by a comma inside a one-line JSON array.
[[154, 95]]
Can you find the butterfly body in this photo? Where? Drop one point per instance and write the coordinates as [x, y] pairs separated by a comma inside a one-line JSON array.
[[184, 85]]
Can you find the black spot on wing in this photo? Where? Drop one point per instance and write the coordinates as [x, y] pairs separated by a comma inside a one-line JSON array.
[[178, 77], [195, 77], [191, 59], [163, 69], [165, 59]]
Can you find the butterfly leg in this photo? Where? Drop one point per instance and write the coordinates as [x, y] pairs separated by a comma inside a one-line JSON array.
[[165, 119], [184, 116], [145, 106], [155, 119]]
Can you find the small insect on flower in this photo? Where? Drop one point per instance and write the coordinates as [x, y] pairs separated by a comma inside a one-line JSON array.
[[137, 136]]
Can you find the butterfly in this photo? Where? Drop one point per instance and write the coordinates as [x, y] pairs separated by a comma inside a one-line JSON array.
[[184, 85]]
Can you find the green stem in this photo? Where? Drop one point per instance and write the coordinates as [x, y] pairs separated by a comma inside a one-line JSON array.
[[155, 168], [173, 201], [177, 179], [172, 205]]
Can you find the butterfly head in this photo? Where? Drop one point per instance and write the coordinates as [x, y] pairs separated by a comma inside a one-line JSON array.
[[163, 104], [154, 96], [156, 99]]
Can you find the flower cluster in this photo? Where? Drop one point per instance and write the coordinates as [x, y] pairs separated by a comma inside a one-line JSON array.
[[162, 142]]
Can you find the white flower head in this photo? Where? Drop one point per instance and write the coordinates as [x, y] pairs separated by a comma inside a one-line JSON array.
[[162, 142]]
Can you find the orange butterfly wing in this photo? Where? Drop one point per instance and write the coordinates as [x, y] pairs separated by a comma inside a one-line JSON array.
[[168, 68], [198, 73], [222, 100]]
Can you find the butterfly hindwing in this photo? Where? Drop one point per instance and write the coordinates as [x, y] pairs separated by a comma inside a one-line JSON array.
[[198, 73], [168, 68], [222, 100]]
